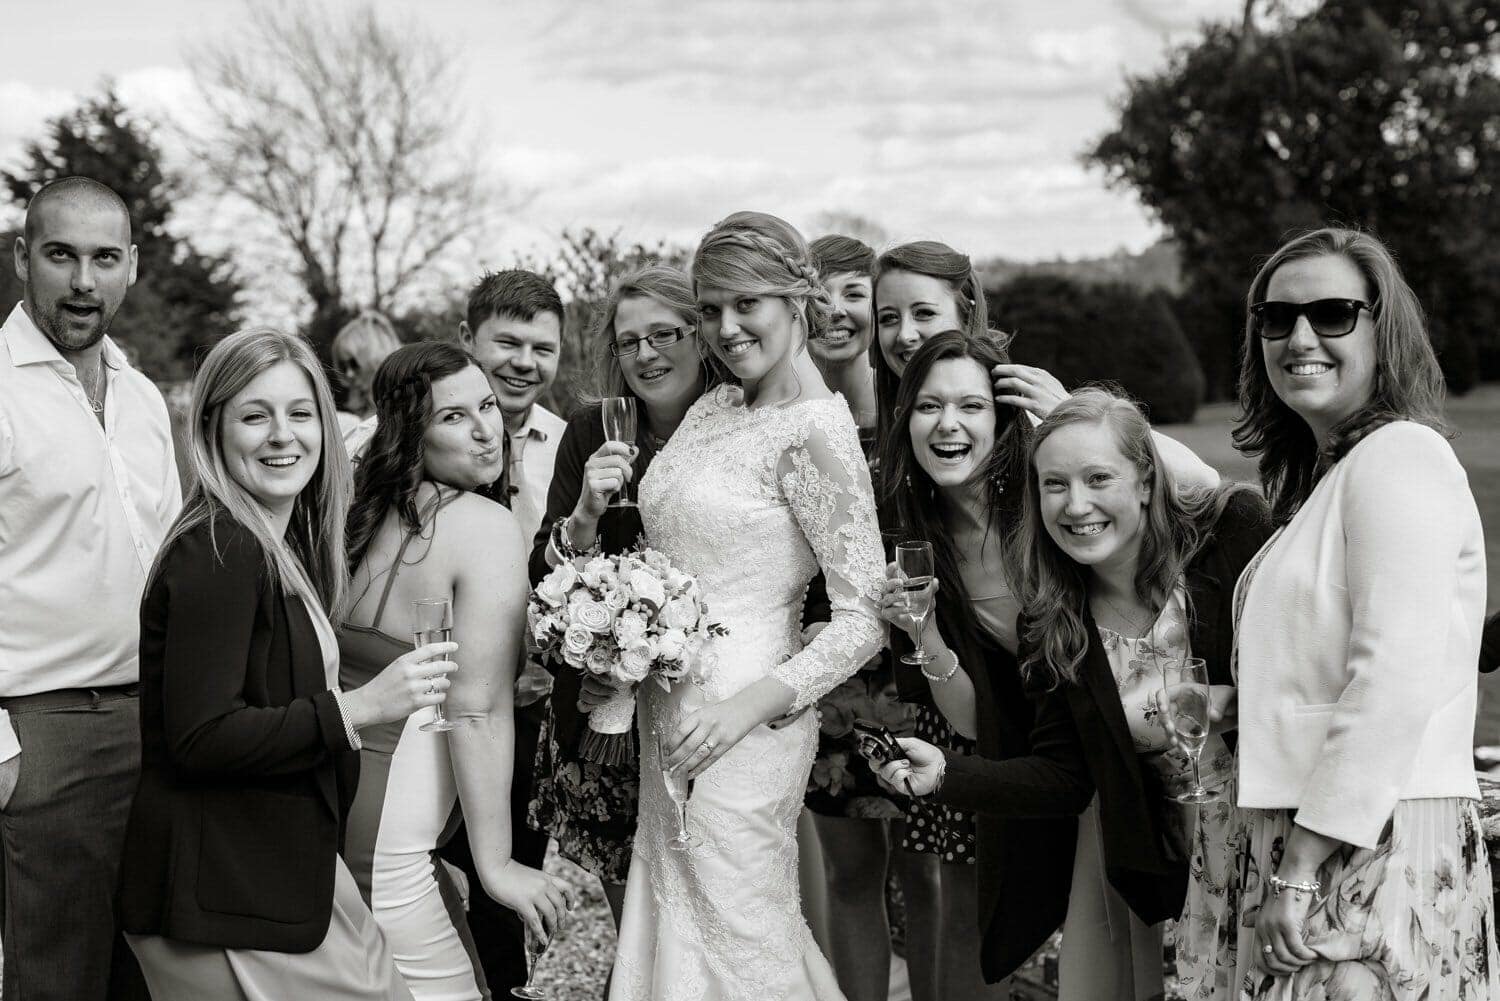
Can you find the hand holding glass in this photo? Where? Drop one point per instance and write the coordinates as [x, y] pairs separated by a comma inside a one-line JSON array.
[[679, 788], [914, 564], [618, 414], [536, 948], [1185, 706], [432, 622]]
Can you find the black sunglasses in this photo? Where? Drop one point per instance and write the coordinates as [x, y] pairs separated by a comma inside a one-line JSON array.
[[1328, 317], [657, 339]]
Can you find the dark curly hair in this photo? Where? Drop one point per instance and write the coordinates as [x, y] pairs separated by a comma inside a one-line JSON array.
[[909, 500], [394, 464]]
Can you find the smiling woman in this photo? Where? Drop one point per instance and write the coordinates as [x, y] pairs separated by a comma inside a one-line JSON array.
[[231, 881], [1358, 631]]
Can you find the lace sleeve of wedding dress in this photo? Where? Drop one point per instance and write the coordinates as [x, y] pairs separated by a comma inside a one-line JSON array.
[[826, 482]]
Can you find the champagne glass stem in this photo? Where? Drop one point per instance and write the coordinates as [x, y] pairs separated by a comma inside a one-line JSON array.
[[1197, 779], [921, 635], [682, 821]]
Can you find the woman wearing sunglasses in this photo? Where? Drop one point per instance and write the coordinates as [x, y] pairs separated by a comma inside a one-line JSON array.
[[1364, 871]]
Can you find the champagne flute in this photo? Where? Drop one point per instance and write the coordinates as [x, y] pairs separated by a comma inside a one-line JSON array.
[[432, 622], [914, 564], [1185, 702], [679, 788], [619, 425], [536, 948]]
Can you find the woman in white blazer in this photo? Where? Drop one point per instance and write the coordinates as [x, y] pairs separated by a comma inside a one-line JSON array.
[[1363, 868]]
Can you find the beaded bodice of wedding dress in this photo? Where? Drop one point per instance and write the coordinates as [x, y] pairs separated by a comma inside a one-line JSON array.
[[753, 502]]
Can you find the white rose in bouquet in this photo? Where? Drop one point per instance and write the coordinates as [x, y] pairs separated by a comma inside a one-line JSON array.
[[600, 661], [577, 640], [635, 663], [647, 587], [671, 643], [555, 586], [595, 569], [680, 613], [591, 615], [630, 629]]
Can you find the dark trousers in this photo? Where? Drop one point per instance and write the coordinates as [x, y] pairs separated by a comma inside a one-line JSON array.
[[62, 833], [496, 929]]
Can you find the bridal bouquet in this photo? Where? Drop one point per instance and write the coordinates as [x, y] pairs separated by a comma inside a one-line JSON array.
[[624, 619]]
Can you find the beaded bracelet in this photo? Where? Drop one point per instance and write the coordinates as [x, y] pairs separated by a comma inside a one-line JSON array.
[[942, 679], [564, 544]]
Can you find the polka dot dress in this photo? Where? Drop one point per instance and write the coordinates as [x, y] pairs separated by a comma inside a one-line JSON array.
[[934, 827]]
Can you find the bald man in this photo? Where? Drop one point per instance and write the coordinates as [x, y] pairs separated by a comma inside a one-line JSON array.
[[88, 488]]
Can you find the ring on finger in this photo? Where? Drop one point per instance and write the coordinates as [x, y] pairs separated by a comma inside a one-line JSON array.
[[1267, 949], [431, 686]]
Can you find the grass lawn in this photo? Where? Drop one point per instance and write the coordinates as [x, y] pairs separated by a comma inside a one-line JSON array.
[[1477, 419]]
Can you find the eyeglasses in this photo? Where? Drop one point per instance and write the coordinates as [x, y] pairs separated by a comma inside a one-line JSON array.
[[658, 339], [1328, 317]]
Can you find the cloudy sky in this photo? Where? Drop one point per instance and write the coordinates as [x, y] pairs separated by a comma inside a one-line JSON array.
[[960, 120]]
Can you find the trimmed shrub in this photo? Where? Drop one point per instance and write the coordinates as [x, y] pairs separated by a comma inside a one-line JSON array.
[[1085, 333]]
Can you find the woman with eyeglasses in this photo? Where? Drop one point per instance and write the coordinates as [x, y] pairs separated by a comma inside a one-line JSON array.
[[649, 351], [1364, 871]]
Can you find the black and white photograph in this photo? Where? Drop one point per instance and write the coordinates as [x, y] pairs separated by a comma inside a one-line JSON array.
[[750, 500]]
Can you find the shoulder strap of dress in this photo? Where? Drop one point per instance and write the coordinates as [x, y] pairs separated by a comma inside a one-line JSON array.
[[438, 502]]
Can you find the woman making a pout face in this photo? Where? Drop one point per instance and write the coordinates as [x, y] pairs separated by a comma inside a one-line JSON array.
[[649, 350]]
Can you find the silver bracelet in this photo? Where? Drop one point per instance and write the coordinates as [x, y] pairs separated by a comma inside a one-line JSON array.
[[941, 679], [1277, 884]]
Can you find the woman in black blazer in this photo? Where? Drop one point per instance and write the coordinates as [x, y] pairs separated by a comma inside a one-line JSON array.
[[231, 883], [1119, 572]]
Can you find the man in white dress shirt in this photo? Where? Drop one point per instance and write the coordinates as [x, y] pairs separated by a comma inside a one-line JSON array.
[[513, 327], [88, 488]]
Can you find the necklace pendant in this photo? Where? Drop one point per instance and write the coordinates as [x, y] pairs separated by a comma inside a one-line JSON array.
[[98, 407]]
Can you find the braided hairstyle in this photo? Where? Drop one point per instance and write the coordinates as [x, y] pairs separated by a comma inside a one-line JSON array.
[[394, 464], [756, 253]]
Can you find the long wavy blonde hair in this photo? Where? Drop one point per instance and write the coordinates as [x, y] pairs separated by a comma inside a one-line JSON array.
[[1053, 589], [312, 551]]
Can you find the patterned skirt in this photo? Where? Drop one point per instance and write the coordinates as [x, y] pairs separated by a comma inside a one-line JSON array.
[[588, 807], [935, 827], [841, 784], [1411, 919]]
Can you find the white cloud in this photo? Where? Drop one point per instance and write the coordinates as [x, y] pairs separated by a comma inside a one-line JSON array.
[[24, 110]]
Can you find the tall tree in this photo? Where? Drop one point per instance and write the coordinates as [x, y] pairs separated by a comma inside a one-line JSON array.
[[183, 300], [1371, 113], [338, 129]]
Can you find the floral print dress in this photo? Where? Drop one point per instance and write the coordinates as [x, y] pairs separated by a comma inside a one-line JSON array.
[[1411, 919], [1203, 833]]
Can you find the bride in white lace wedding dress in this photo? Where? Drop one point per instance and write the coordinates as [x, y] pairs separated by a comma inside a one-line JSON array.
[[754, 493]]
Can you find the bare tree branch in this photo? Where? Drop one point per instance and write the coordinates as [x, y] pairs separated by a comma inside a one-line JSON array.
[[339, 129]]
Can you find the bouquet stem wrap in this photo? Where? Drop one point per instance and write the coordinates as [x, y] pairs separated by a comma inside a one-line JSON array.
[[610, 737]]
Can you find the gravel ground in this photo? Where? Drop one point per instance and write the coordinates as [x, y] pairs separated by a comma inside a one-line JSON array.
[[578, 963]]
